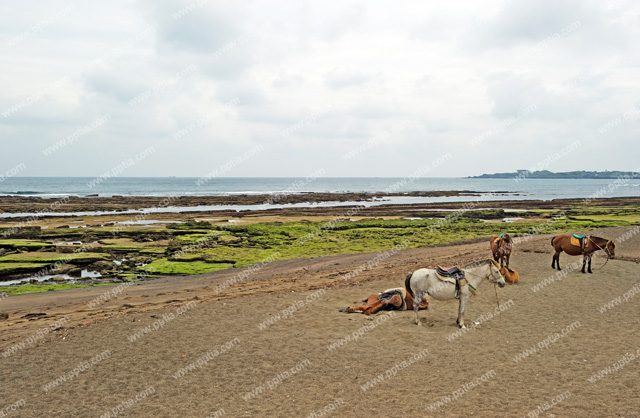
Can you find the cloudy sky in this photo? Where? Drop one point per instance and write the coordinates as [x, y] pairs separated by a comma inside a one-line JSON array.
[[284, 88]]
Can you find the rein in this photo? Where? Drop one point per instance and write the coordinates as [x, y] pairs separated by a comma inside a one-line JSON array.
[[497, 300], [605, 251], [495, 289]]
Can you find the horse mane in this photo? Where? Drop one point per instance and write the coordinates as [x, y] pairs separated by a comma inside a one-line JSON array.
[[603, 240], [480, 263]]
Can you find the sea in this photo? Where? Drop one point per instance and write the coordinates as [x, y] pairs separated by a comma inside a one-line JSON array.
[[504, 189]]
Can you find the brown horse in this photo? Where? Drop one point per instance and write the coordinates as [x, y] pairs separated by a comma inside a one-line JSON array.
[[390, 299], [510, 276], [501, 246], [593, 244]]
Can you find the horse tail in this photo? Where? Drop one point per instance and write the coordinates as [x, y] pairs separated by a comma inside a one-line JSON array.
[[407, 284], [552, 240]]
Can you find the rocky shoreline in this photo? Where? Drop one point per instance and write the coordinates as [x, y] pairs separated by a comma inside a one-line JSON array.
[[24, 204]]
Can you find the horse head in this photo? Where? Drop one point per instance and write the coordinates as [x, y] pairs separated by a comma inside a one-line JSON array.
[[503, 244], [494, 274], [505, 241], [610, 249], [510, 276]]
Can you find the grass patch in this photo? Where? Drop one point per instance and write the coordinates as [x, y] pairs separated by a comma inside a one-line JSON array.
[[238, 256], [35, 288], [122, 248], [6, 267], [127, 245], [43, 257], [192, 225], [613, 217], [19, 243], [152, 250], [164, 266]]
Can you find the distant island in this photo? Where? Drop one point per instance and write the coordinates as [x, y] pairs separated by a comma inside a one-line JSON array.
[[546, 174]]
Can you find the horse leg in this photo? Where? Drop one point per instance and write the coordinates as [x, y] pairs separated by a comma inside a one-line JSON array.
[[589, 269], [461, 308], [584, 262], [556, 261], [373, 308], [416, 305], [508, 257]]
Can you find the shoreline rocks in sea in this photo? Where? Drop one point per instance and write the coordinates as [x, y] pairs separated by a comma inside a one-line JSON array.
[[28, 204]]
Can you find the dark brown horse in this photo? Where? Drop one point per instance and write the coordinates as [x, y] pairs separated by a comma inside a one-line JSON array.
[[592, 244], [501, 246]]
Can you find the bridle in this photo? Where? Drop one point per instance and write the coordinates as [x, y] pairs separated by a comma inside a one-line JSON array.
[[606, 246], [493, 277]]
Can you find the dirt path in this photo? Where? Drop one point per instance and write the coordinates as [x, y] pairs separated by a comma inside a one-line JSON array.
[[274, 343]]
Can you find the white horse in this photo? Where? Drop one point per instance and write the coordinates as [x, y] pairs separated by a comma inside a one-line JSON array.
[[425, 282]]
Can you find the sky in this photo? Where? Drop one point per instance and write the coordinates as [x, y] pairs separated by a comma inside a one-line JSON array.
[[291, 88]]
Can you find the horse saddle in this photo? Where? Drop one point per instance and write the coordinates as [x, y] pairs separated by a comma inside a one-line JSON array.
[[579, 240], [452, 275], [388, 294]]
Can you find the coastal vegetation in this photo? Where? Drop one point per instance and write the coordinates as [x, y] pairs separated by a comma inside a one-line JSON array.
[[195, 247]]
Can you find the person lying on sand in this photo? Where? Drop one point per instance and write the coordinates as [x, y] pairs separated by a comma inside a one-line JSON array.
[[395, 299]]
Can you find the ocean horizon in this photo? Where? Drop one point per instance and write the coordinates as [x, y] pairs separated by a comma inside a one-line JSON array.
[[543, 189]]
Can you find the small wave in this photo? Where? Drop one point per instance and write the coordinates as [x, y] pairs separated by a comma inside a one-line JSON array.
[[22, 192], [249, 192]]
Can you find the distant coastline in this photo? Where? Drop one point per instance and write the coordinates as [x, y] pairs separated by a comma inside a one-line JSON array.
[[546, 174]]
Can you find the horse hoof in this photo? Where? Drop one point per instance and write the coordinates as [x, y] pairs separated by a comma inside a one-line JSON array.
[[462, 326], [418, 323]]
